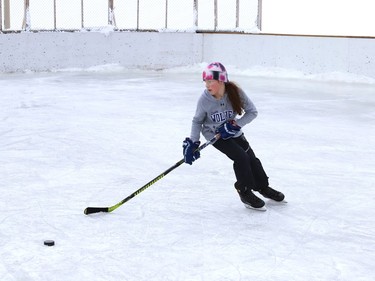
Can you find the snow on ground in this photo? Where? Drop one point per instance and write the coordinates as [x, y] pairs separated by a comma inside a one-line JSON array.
[[74, 139]]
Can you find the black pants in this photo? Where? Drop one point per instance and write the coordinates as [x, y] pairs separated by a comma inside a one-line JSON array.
[[247, 167]]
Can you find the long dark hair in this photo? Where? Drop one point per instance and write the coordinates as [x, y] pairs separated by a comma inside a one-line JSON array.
[[233, 92]]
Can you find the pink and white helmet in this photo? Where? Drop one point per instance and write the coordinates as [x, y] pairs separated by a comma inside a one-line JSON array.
[[215, 71]]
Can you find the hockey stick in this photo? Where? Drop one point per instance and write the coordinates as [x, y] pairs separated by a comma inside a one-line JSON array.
[[92, 210]]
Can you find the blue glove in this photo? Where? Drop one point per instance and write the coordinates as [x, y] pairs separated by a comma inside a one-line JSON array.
[[190, 150], [228, 129]]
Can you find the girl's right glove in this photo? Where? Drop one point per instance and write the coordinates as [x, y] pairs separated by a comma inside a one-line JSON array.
[[190, 150]]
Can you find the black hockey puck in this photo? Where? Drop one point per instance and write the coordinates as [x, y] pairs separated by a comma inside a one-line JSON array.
[[49, 243]]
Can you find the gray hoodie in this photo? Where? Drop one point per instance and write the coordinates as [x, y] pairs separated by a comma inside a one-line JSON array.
[[211, 113]]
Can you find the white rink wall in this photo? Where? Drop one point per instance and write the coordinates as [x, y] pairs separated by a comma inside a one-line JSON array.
[[44, 51]]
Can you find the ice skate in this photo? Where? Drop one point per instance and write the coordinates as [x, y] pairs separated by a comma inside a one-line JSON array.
[[270, 193], [250, 200]]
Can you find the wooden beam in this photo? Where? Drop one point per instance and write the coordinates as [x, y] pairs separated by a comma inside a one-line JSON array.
[[259, 15], [215, 15], [6, 14], [195, 14], [237, 13], [110, 13], [26, 14]]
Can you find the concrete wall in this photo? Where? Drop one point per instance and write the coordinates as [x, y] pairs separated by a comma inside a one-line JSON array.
[[310, 55], [55, 50]]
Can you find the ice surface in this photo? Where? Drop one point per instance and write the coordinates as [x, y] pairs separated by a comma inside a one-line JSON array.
[[90, 138]]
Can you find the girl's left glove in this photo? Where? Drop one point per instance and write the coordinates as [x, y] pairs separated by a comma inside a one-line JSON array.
[[190, 150], [228, 130]]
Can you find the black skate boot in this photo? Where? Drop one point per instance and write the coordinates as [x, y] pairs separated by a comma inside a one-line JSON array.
[[250, 199], [271, 193]]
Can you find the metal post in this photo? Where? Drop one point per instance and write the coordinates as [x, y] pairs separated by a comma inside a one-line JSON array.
[[259, 15], [6, 14], [195, 14]]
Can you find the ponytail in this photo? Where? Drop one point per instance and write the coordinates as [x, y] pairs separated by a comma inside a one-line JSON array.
[[234, 97]]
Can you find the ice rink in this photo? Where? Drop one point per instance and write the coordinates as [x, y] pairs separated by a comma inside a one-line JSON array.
[[72, 139]]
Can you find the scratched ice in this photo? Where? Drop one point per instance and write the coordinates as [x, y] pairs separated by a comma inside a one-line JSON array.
[[73, 139]]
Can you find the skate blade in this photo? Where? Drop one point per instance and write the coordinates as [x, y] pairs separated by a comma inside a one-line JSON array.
[[263, 209], [273, 202]]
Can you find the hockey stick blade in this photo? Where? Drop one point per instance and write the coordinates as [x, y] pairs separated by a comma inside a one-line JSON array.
[[92, 210]]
